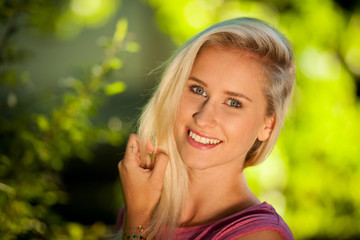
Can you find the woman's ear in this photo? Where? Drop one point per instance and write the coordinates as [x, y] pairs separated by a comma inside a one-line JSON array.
[[265, 132]]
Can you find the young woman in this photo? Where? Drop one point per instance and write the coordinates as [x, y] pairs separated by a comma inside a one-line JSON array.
[[218, 109]]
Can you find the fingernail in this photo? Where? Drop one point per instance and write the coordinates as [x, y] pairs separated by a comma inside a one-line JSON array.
[[151, 155]]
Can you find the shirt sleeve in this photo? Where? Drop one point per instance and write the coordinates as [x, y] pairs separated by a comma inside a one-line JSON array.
[[258, 220]]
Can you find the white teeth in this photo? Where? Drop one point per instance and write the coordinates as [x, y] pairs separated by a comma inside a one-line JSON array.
[[203, 140]]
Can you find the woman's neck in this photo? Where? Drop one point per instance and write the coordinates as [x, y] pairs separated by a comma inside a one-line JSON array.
[[214, 194]]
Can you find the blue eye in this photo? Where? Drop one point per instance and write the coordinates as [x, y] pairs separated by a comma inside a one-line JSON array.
[[234, 103], [199, 90]]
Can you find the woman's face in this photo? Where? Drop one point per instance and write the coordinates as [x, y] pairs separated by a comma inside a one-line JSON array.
[[222, 110]]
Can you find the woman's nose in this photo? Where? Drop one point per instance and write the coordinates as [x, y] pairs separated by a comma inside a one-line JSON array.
[[206, 114]]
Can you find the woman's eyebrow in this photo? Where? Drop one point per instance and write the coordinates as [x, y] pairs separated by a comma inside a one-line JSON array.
[[235, 94], [198, 81]]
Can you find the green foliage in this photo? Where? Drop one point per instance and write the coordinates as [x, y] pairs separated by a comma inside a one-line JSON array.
[[312, 175], [35, 141]]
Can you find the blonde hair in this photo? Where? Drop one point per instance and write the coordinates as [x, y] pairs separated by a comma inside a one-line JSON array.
[[271, 49]]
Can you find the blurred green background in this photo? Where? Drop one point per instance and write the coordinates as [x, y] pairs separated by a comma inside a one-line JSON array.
[[75, 73]]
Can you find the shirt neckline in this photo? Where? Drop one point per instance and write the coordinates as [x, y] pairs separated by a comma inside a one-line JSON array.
[[259, 205]]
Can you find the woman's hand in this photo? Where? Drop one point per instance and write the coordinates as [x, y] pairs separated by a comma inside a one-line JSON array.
[[142, 180]]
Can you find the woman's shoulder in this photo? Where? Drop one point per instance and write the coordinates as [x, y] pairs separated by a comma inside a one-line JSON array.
[[246, 224], [258, 219], [263, 235]]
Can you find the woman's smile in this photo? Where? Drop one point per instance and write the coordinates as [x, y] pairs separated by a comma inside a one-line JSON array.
[[202, 141]]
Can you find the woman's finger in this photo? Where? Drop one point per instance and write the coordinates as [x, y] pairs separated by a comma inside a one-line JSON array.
[[150, 147], [147, 155], [161, 162], [132, 149]]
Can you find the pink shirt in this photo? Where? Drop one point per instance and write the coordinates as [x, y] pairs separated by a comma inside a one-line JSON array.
[[256, 218]]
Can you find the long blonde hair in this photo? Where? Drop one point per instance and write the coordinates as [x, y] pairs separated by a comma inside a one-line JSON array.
[[158, 118]]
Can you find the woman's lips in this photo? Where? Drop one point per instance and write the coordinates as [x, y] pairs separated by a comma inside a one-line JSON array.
[[201, 141]]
